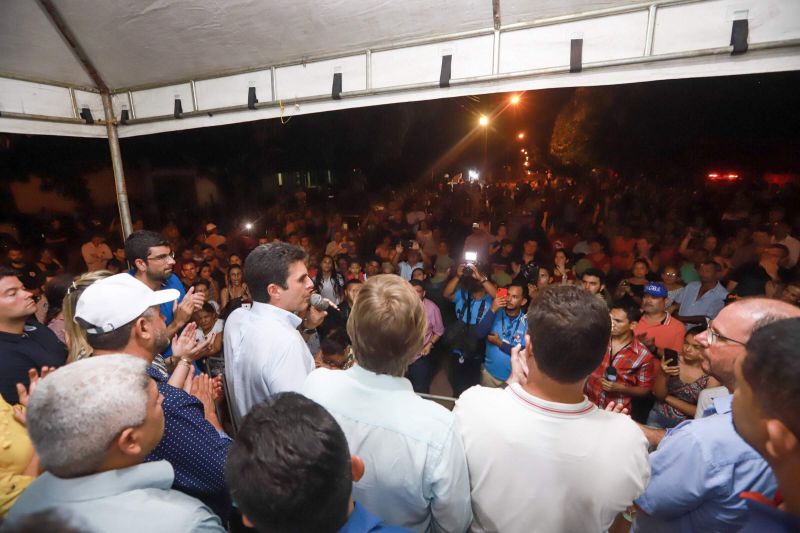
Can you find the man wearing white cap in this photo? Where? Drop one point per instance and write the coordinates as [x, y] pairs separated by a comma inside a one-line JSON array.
[[121, 315]]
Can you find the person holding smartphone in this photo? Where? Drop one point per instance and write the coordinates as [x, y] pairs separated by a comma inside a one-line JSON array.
[[503, 327], [679, 384]]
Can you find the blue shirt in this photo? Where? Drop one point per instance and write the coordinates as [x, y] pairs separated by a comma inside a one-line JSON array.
[[362, 521], [709, 305], [698, 472], [473, 314], [768, 519], [511, 331], [127, 500], [193, 446]]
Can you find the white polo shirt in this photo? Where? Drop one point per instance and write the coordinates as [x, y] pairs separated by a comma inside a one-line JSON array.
[[541, 466]]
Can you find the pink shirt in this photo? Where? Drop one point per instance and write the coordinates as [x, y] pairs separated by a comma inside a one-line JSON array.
[[435, 324]]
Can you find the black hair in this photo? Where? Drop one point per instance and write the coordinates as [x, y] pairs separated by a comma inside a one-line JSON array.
[[717, 266], [772, 369], [54, 291], [633, 312], [334, 342], [289, 468], [695, 330], [208, 308], [569, 331], [597, 273], [336, 277], [417, 283], [6, 272], [138, 244], [202, 281], [268, 264]]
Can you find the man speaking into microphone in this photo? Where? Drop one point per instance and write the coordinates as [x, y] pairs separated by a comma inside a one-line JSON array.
[[265, 352]]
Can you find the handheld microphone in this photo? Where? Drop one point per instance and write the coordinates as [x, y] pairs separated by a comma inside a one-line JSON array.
[[319, 302], [611, 373]]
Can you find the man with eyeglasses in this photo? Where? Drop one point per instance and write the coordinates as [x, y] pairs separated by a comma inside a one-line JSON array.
[[702, 466], [152, 262]]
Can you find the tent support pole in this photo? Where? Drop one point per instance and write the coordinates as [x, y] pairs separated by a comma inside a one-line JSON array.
[[116, 163]]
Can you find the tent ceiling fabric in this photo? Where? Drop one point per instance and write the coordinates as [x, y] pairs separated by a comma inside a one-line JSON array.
[[211, 54], [145, 42]]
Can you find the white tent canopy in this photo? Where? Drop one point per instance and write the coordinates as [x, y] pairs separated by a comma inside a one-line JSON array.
[[209, 53], [109, 68]]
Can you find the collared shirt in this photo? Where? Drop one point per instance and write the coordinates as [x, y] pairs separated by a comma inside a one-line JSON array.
[[127, 500], [405, 269], [668, 333], [416, 473], [541, 466], [193, 446], [708, 305], [635, 366], [699, 470], [35, 348], [264, 354], [362, 521], [434, 316], [511, 331]]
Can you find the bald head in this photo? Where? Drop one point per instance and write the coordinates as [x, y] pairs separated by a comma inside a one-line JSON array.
[[732, 329]]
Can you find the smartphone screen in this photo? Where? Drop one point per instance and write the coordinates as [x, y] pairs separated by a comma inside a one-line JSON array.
[[671, 356], [471, 256], [502, 293]]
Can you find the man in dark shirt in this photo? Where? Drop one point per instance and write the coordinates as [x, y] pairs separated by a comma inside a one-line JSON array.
[[761, 278], [24, 343]]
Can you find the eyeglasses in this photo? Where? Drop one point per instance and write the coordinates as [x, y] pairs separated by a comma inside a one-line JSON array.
[[712, 335], [162, 257]]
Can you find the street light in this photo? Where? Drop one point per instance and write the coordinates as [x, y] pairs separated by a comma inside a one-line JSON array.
[[515, 99], [521, 135], [483, 121]]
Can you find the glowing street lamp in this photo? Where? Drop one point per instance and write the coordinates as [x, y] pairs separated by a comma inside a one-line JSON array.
[[521, 135], [483, 121], [515, 99]]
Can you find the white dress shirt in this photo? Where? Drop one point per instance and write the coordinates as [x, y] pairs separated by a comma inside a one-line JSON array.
[[539, 466], [264, 355], [416, 474]]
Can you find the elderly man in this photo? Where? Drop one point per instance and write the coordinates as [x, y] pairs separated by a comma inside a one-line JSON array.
[[418, 473], [93, 423], [701, 466], [766, 416], [542, 457], [120, 315]]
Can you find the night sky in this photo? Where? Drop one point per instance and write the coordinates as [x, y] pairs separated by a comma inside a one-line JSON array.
[[673, 129]]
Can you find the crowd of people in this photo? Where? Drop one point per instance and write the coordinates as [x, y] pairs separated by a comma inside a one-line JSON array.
[[612, 368]]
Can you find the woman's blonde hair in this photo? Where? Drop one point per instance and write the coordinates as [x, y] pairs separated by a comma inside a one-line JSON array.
[[387, 325], [79, 348]]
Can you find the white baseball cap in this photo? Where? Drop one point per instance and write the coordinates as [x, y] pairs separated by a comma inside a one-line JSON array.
[[112, 302]]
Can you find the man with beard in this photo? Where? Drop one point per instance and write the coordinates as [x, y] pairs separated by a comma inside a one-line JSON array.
[[120, 315], [153, 262], [503, 327], [702, 466]]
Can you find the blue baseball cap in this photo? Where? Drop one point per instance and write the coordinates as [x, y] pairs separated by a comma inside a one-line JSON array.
[[656, 289]]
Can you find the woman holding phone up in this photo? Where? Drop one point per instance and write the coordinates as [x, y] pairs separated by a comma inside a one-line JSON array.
[[679, 384]]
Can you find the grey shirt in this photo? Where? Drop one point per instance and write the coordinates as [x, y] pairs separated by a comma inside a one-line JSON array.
[[129, 500]]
